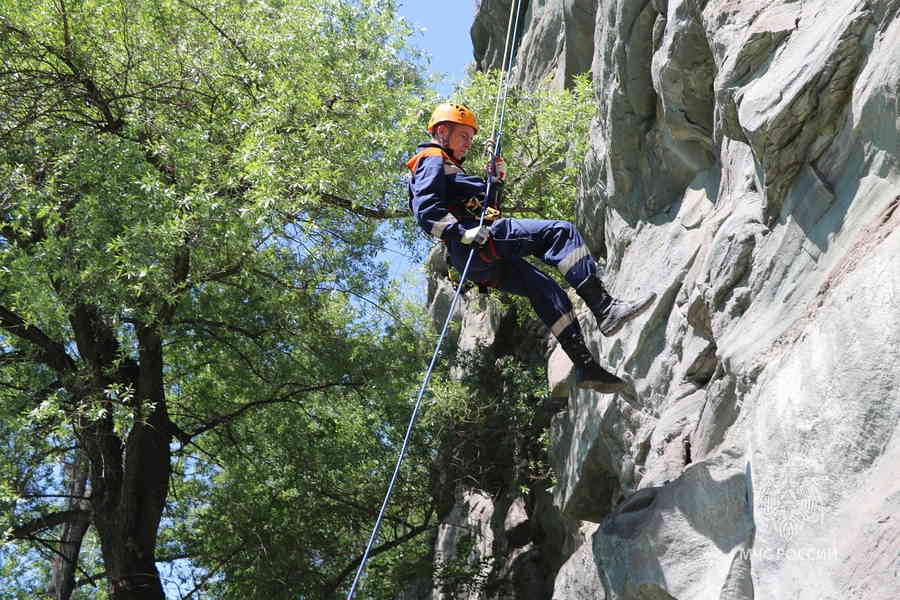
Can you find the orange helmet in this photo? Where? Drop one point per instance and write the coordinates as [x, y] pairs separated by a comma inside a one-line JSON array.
[[454, 113]]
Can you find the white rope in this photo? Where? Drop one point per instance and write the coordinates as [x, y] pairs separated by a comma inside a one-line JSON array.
[[513, 10], [503, 93], [496, 135]]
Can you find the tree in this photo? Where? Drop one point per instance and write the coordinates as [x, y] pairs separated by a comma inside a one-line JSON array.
[[188, 197], [202, 366]]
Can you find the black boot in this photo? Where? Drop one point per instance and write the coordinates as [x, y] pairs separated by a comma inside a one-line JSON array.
[[610, 313], [588, 374]]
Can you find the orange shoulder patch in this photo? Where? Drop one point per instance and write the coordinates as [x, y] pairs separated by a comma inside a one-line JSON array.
[[413, 163]]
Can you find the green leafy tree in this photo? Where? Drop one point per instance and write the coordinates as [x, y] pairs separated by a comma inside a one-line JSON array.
[[204, 372], [189, 192]]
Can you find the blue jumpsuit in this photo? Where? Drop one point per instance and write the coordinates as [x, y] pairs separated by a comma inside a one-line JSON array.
[[439, 189]]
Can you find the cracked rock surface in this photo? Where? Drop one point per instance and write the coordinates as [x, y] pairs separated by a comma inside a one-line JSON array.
[[745, 165]]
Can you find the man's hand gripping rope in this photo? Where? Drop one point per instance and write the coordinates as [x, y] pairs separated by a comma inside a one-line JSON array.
[[496, 167]]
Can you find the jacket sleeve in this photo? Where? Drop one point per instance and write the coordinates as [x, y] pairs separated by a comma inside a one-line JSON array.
[[433, 190]]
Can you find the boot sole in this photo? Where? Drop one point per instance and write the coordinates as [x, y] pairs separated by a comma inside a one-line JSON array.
[[640, 309]]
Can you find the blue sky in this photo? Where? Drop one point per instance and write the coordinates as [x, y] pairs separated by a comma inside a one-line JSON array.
[[446, 38]]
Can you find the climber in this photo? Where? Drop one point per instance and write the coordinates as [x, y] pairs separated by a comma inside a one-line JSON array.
[[447, 204]]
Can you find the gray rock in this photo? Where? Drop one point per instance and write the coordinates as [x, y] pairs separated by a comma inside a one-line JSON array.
[[440, 290], [745, 165], [679, 540], [488, 33], [579, 577], [813, 76], [559, 373], [559, 34], [465, 540]]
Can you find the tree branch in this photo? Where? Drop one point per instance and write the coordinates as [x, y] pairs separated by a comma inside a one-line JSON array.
[[332, 586], [228, 417], [29, 529], [219, 30], [372, 213], [213, 572], [219, 325], [51, 353], [180, 271], [66, 56], [70, 496]]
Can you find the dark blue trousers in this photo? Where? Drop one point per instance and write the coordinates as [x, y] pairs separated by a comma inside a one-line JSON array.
[[500, 263]]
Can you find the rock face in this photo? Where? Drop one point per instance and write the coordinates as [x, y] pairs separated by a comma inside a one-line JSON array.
[[745, 164]]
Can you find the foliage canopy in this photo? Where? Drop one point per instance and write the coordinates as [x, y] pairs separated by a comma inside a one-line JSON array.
[[188, 191], [204, 369]]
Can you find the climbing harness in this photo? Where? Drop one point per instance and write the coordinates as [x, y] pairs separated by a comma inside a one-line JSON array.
[[496, 135], [476, 207]]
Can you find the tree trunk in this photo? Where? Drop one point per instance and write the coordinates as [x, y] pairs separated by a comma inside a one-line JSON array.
[[130, 481], [63, 569]]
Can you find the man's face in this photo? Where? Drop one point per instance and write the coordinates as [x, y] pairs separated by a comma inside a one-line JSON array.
[[459, 138]]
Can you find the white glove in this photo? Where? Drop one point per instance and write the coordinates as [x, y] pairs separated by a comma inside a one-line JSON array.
[[476, 235]]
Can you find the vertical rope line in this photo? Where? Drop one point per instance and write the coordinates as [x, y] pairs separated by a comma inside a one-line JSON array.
[[501, 104], [409, 430], [502, 95], [506, 52], [508, 57]]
